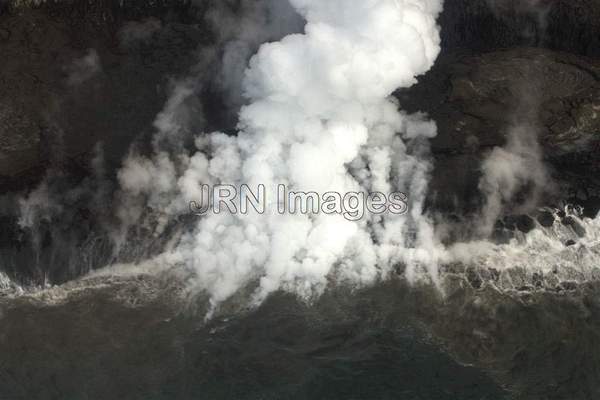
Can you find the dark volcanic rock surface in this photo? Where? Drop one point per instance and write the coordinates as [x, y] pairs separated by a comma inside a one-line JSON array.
[[477, 99], [482, 25], [71, 79], [45, 118], [68, 80]]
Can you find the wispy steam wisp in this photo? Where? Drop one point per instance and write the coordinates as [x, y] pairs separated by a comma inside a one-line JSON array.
[[517, 166]]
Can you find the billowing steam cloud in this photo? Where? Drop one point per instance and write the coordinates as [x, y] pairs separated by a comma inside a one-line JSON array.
[[76, 216], [316, 115], [239, 28], [239, 38], [320, 119]]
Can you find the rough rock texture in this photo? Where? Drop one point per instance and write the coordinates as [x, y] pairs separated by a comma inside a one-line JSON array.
[[68, 82], [41, 40], [482, 25], [476, 99]]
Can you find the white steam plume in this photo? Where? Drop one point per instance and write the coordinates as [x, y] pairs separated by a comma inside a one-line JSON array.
[[320, 119], [84, 68], [517, 166], [239, 28]]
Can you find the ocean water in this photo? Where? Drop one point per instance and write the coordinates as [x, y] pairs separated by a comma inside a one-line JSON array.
[[519, 320], [95, 345]]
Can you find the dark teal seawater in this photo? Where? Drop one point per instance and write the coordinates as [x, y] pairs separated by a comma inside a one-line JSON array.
[[97, 347]]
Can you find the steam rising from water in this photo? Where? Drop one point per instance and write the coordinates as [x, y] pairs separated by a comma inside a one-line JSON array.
[[506, 171], [320, 119], [515, 176], [318, 116], [541, 251]]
